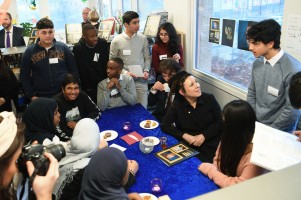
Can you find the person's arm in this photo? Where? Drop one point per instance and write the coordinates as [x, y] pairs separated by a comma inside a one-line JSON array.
[[216, 126], [103, 96], [43, 185], [147, 59], [222, 180], [62, 130], [70, 61], [155, 58], [181, 61], [129, 94], [12, 87], [91, 108], [251, 96], [168, 121], [25, 74], [289, 116]]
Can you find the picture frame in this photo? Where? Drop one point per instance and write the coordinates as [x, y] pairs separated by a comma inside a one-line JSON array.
[[33, 32], [152, 25], [214, 24], [31, 41], [106, 29], [73, 33]]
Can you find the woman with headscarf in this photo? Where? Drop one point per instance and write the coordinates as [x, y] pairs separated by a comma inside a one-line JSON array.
[[108, 180], [41, 117]]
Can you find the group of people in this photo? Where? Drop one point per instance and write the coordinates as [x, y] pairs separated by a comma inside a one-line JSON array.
[[222, 137]]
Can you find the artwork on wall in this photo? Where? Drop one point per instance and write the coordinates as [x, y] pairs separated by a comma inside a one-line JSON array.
[[214, 30], [73, 33], [228, 32], [242, 28]]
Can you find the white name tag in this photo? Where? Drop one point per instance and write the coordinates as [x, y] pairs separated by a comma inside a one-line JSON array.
[[96, 57], [53, 60], [273, 91], [126, 52], [114, 91], [162, 57]]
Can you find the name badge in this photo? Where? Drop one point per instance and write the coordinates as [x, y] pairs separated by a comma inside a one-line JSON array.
[[53, 60], [114, 91], [273, 91], [96, 57], [162, 57], [126, 52]]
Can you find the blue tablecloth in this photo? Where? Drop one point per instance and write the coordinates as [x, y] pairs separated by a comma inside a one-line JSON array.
[[180, 181]]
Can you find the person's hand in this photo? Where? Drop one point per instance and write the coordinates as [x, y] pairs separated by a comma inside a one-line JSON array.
[[134, 196], [116, 83], [189, 138], [158, 86], [199, 139], [207, 169], [133, 165], [102, 144], [43, 185], [71, 124], [2, 101], [298, 133], [145, 75], [176, 57], [34, 98], [110, 84]]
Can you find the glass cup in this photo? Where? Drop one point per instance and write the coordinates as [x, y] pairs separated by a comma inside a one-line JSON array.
[[156, 185], [146, 145], [163, 142], [126, 126]]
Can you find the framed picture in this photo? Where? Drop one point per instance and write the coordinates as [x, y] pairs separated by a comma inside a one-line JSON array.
[[33, 32], [169, 156], [152, 25], [106, 28], [214, 24], [31, 40], [73, 33]]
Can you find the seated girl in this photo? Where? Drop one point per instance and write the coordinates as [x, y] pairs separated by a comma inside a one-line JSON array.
[[105, 176], [41, 117], [159, 92], [231, 163], [196, 115]]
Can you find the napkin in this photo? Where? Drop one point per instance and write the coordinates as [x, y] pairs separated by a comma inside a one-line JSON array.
[[117, 147], [132, 137]]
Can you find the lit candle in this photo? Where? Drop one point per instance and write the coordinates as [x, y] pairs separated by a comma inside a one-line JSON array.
[[156, 188], [126, 126]]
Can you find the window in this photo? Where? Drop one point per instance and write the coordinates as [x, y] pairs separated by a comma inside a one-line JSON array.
[[26, 14], [146, 7], [226, 63]]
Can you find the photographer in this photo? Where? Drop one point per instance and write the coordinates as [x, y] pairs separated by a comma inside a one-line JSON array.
[[11, 142]]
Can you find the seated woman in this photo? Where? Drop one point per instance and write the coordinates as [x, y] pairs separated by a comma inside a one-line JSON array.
[[73, 105], [11, 142], [159, 92], [41, 117], [231, 163], [166, 46], [83, 144], [197, 116], [107, 182]]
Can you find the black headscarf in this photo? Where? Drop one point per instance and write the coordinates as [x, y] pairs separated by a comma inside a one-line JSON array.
[[38, 118], [104, 175]]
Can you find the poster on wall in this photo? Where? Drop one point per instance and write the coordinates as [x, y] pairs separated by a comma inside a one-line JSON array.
[[214, 30], [242, 28], [228, 32]]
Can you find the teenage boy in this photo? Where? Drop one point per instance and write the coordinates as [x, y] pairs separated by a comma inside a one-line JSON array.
[[118, 89], [271, 75], [45, 63], [132, 48], [10, 36], [91, 55], [73, 105], [160, 91]]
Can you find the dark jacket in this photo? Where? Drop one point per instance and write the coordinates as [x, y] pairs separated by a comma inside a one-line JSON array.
[[42, 71], [91, 72], [205, 119], [17, 37], [8, 90]]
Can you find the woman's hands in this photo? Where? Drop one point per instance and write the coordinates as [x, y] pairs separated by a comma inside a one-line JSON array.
[[43, 185], [196, 140]]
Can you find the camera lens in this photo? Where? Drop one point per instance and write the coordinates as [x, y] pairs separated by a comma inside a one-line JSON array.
[[57, 150]]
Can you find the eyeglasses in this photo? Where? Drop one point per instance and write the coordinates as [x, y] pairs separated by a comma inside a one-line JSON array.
[[163, 34]]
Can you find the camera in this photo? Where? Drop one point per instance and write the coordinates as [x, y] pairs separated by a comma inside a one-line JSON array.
[[35, 154]]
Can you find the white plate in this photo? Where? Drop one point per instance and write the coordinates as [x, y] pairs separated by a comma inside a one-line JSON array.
[[152, 122], [153, 197], [156, 140], [114, 135]]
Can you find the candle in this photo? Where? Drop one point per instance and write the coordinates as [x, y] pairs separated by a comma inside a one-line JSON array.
[[156, 185], [126, 126], [156, 188]]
